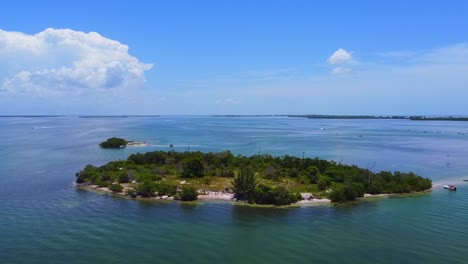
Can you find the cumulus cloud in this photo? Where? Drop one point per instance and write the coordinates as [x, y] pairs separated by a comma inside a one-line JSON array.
[[63, 60], [340, 56]]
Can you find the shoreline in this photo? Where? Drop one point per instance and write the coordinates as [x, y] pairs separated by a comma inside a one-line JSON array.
[[205, 196], [220, 196]]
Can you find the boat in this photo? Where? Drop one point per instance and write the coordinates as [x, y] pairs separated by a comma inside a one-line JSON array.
[[465, 180], [450, 187]]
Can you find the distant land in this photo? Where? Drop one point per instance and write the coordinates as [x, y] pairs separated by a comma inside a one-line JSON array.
[[29, 115], [115, 116], [80, 116], [415, 118], [447, 118], [351, 117]]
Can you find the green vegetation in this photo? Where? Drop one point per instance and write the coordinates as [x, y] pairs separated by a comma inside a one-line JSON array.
[[279, 195], [150, 189], [244, 184], [113, 143], [188, 194], [260, 179], [115, 187]]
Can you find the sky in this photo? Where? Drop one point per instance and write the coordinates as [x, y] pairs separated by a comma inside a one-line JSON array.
[[233, 57]]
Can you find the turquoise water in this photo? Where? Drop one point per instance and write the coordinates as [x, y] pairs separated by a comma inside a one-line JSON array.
[[43, 219]]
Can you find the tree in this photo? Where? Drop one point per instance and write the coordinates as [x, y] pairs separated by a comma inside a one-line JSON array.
[[123, 178], [272, 173], [192, 168], [294, 173], [244, 184], [145, 189], [277, 196], [188, 194], [324, 182], [88, 174], [343, 194], [164, 188], [281, 196], [312, 174], [263, 194], [79, 179], [338, 195], [350, 193]]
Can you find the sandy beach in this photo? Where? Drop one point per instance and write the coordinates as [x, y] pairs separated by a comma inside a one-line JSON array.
[[211, 195]]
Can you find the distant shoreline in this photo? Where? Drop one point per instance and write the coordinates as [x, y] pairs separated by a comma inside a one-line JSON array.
[[412, 118]]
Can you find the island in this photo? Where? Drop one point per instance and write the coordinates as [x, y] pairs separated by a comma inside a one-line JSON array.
[[114, 142], [117, 143], [258, 179]]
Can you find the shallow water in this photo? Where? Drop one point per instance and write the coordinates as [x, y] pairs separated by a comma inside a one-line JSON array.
[[44, 220]]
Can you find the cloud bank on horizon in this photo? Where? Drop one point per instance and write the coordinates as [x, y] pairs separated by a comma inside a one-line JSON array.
[[65, 61]]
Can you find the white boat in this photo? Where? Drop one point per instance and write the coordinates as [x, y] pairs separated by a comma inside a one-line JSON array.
[[450, 187]]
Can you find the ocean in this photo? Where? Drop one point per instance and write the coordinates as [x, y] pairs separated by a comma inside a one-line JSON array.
[[44, 219]]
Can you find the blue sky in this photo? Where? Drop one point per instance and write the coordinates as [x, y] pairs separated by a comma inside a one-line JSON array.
[[234, 57]]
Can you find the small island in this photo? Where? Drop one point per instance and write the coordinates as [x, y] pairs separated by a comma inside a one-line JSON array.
[[118, 143], [114, 142], [258, 179]]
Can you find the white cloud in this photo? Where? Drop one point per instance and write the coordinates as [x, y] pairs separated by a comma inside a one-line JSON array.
[[58, 61], [454, 54], [340, 56], [340, 70], [227, 101]]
